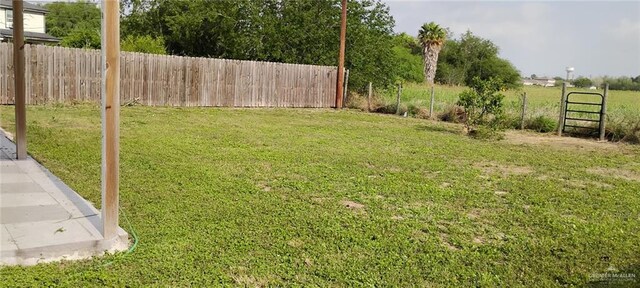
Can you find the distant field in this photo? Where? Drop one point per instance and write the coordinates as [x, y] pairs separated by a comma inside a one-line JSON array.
[[623, 107], [620, 102]]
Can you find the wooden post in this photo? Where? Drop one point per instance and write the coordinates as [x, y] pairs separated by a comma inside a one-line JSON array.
[[433, 96], [110, 115], [369, 97], [398, 99], [346, 86], [343, 36], [524, 110], [19, 80], [562, 100], [603, 112]]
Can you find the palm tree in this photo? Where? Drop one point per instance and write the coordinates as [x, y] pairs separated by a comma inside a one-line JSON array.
[[432, 38]]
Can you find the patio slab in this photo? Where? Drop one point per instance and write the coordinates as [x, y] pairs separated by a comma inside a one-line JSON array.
[[42, 219]]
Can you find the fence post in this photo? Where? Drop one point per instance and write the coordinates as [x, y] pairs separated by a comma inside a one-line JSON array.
[[561, 117], [431, 103], [524, 110], [603, 111], [346, 86], [369, 97], [110, 116], [398, 99], [19, 80]]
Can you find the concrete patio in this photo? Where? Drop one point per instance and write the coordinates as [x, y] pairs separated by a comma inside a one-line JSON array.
[[42, 219]]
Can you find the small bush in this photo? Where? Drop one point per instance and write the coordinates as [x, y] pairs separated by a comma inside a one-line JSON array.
[[541, 124], [356, 101], [390, 108], [485, 133], [454, 114], [359, 101], [624, 131], [510, 122], [143, 44], [483, 103], [422, 113], [412, 109]]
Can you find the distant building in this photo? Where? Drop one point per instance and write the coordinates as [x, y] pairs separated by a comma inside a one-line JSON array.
[[34, 24], [540, 81]]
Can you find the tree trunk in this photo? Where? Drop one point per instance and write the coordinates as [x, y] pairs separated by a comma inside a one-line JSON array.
[[430, 56]]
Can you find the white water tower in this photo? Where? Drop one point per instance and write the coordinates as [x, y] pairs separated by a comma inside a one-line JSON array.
[[569, 73]]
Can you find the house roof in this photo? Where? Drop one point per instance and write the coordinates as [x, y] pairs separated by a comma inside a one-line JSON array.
[[35, 36], [28, 7]]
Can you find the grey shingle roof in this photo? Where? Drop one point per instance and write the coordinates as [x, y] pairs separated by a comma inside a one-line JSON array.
[[41, 37], [28, 7]]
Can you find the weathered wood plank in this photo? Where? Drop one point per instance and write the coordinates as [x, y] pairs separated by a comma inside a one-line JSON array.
[[57, 74]]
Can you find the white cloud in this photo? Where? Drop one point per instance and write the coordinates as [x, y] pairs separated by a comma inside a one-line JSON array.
[[627, 29]]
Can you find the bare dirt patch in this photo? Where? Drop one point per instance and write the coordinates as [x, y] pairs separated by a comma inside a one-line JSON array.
[[295, 243], [352, 205], [475, 213], [572, 143], [501, 193], [447, 243], [616, 173], [241, 275], [587, 183], [501, 169], [319, 200]]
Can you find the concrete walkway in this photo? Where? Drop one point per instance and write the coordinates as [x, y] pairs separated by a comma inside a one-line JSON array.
[[42, 219]]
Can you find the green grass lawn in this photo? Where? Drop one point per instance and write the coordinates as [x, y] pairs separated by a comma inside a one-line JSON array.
[[254, 197]]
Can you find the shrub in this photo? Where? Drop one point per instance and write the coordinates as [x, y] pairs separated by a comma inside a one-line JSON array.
[[356, 101], [422, 113], [143, 44], [485, 132], [483, 104], [541, 124], [359, 101], [453, 114], [390, 108], [413, 109], [623, 130]]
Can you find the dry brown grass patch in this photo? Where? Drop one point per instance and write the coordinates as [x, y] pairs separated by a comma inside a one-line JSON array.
[[568, 143], [616, 173], [501, 169]]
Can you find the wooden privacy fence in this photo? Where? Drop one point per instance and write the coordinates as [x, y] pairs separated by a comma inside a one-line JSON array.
[[57, 74]]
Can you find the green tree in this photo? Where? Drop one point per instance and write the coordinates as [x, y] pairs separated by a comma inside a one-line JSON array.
[[432, 37], [461, 60], [622, 83], [143, 44], [409, 42], [582, 82], [559, 80], [408, 61], [76, 23], [290, 31], [82, 37]]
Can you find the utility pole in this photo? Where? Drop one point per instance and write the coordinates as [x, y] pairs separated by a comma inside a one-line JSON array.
[[343, 36], [19, 79], [110, 116]]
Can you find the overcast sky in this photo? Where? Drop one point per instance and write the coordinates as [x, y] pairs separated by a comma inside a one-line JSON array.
[[542, 38]]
